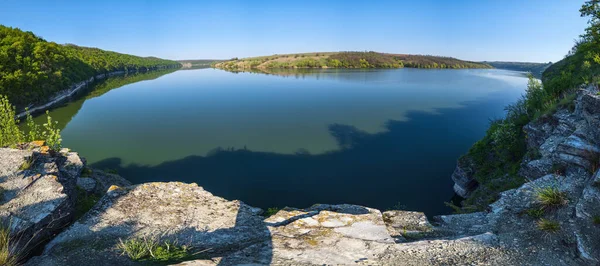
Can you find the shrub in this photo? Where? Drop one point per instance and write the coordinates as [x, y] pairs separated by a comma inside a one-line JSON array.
[[52, 133], [551, 197], [9, 129], [548, 225], [596, 219]]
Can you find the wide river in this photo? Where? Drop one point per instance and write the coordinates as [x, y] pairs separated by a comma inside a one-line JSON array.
[[377, 138]]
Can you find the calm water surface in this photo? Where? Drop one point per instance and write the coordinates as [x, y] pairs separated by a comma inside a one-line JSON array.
[[377, 138]]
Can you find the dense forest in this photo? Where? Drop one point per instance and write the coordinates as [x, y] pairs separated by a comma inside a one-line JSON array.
[[33, 69], [496, 158], [536, 69], [348, 60]]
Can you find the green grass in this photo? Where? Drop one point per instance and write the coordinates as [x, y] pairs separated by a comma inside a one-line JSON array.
[[155, 250], [596, 219], [27, 164], [548, 225], [85, 201], [7, 254], [551, 197], [270, 212], [86, 172], [535, 213]]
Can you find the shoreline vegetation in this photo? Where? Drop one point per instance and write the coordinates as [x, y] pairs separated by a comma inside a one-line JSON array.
[[495, 161], [35, 73], [347, 60]]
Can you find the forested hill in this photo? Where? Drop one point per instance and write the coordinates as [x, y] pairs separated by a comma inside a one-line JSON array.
[[534, 68], [32, 69], [348, 60]]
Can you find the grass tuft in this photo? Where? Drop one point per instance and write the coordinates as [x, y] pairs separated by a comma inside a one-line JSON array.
[[536, 213], [551, 197], [548, 225], [27, 164], [7, 254], [153, 249]]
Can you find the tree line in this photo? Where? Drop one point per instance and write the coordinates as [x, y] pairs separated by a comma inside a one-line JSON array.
[[33, 69]]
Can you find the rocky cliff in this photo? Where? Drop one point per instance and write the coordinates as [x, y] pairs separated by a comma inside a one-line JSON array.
[[41, 193]]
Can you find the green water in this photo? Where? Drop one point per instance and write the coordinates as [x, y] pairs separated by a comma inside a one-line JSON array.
[[375, 137]]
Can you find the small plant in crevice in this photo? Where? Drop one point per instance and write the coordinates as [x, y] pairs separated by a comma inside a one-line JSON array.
[[535, 213], [548, 225], [596, 220], [270, 212], [559, 169], [27, 164], [85, 202], [551, 197]]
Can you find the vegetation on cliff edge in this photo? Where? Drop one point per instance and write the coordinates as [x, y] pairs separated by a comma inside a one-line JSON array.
[[497, 157]]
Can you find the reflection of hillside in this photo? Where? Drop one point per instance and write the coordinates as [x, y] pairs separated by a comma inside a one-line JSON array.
[[342, 74], [63, 114], [119, 81]]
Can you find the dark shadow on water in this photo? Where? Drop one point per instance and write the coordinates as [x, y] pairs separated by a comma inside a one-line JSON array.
[[409, 164]]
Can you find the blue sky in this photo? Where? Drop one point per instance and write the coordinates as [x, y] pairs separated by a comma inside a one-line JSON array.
[[533, 30]]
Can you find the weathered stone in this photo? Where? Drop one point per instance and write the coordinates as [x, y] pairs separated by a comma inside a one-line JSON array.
[[38, 201], [175, 211], [105, 180], [590, 105], [407, 224], [87, 184], [536, 168], [464, 181]]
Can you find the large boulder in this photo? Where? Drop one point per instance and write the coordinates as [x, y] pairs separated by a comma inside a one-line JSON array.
[[37, 194]]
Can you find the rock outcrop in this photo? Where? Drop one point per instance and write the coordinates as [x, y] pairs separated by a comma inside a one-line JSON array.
[[37, 193]]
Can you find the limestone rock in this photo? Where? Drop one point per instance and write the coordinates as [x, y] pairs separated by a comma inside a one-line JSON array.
[[176, 211], [37, 202], [464, 181]]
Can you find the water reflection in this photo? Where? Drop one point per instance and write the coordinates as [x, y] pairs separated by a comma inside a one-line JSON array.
[[375, 137]]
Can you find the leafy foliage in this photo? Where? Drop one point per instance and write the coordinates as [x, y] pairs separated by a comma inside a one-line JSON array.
[[10, 134], [33, 70], [9, 130]]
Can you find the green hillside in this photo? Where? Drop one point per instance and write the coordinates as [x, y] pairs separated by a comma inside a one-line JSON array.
[[32, 69], [348, 60]]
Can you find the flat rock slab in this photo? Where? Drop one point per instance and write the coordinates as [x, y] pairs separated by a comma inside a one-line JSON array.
[[175, 211]]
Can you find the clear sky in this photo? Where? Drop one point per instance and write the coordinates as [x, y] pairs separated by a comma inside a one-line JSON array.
[[507, 30]]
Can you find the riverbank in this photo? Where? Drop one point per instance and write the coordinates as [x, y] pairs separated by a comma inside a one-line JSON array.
[[67, 94]]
